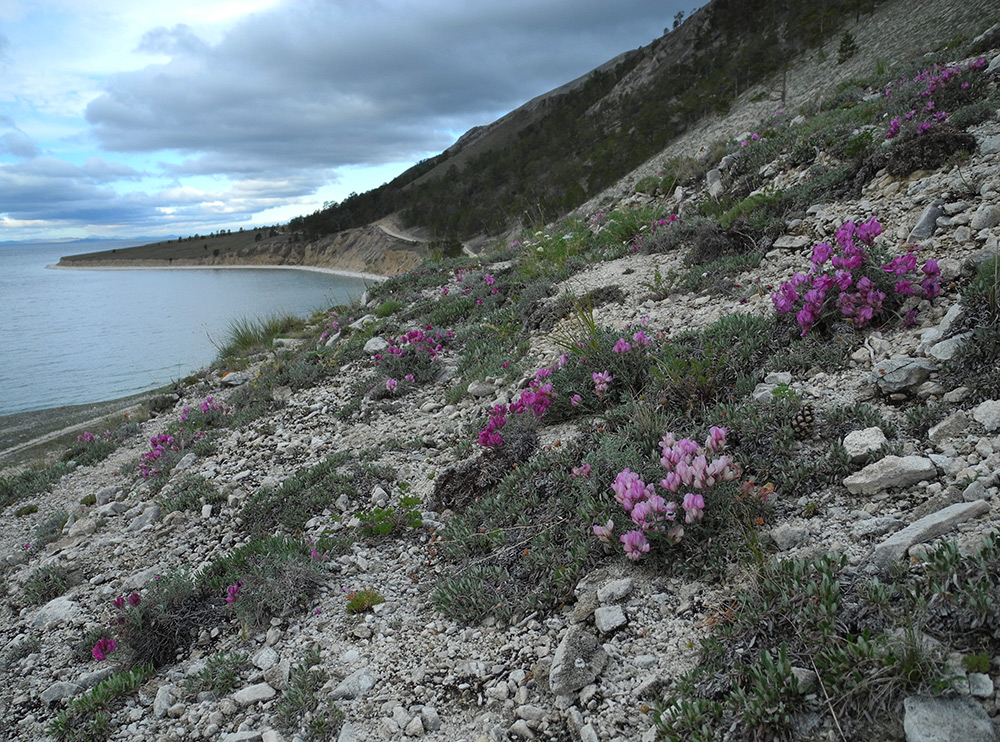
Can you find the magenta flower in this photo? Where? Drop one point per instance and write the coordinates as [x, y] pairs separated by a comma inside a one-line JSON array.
[[119, 602], [234, 591], [575, 400], [390, 384], [604, 532], [103, 648], [622, 346], [694, 506], [629, 489], [641, 339], [581, 471], [134, 599], [601, 381], [635, 544], [716, 438]]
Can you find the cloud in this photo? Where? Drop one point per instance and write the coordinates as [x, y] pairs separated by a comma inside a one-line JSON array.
[[178, 40], [18, 144], [325, 84], [266, 111]]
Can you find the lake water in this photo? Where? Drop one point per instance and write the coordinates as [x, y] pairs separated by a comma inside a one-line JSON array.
[[80, 336]]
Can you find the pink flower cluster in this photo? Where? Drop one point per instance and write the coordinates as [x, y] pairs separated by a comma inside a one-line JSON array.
[[159, 445], [936, 77], [637, 240], [133, 600], [601, 381], [855, 297], [233, 591], [420, 341], [688, 467], [103, 648], [330, 328], [209, 405], [489, 437]]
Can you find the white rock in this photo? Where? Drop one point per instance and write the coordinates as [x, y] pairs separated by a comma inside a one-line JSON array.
[[987, 414], [254, 694], [860, 443], [891, 471]]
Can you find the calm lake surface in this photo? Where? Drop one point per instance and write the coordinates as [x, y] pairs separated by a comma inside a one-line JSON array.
[[80, 336]]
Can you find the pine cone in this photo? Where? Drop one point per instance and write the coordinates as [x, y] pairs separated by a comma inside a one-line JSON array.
[[802, 423]]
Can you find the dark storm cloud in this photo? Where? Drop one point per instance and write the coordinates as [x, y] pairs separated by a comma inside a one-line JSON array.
[[323, 84]]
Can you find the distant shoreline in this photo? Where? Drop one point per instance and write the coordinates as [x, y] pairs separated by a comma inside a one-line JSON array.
[[315, 269]]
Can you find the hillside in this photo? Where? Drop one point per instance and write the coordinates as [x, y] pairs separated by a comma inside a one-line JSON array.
[[588, 143], [718, 461]]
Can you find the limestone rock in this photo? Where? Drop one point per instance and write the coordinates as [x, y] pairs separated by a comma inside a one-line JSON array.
[[860, 443], [713, 178], [235, 378], [615, 590], [265, 658], [927, 222], [987, 216], [608, 618], [935, 719], [254, 694], [149, 515], [987, 414], [60, 690], [355, 685], [163, 700], [892, 471], [54, 612], [952, 426], [578, 660], [902, 374], [928, 527]]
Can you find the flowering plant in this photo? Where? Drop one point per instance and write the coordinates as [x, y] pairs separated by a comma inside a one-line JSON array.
[[103, 648], [688, 467], [848, 285], [931, 94], [411, 357]]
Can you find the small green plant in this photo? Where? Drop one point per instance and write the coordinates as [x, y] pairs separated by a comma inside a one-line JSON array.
[[299, 706], [385, 521], [87, 718], [45, 584], [848, 47], [264, 578], [361, 601], [220, 675], [247, 335], [25, 484], [387, 308], [49, 529], [152, 631], [88, 500], [26, 510], [191, 493], [978, 662]]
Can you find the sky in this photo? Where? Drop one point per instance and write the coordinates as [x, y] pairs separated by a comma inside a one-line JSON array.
[[159, 118]]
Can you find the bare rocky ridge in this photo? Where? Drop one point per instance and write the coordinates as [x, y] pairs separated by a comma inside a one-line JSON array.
[[587, 672]]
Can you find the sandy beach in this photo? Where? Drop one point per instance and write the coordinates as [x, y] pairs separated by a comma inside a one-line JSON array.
[[157, 266]]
